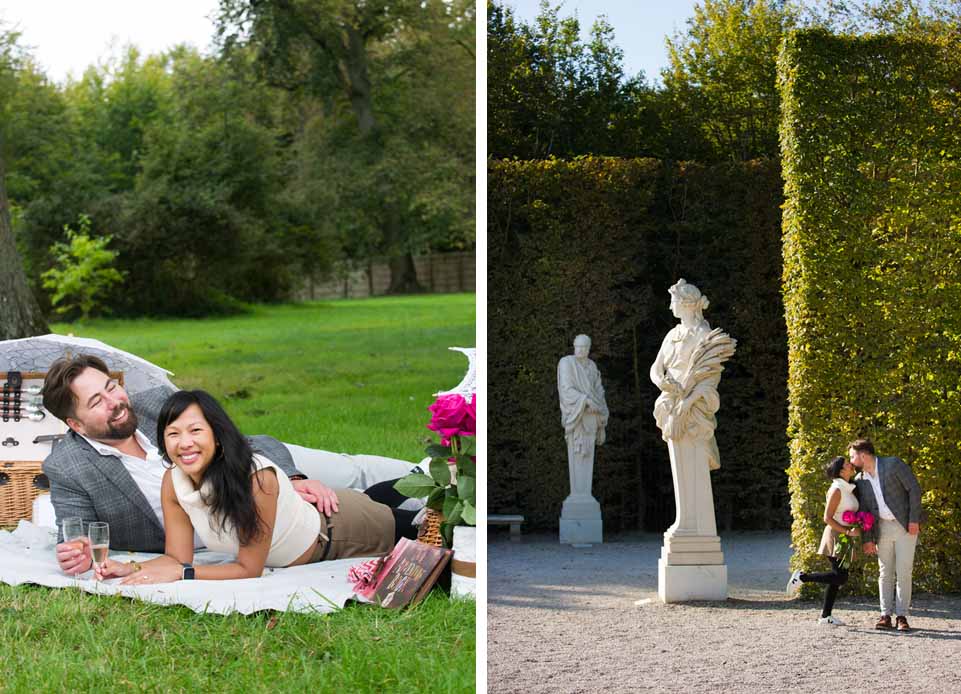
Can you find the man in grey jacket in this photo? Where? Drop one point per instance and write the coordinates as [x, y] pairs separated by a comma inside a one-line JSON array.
[[889, 490], [108, 466]]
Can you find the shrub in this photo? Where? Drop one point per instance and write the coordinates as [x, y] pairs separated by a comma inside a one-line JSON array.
[[84, 273]]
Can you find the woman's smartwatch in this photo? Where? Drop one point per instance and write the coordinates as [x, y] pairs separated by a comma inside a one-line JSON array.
[[188, 574]]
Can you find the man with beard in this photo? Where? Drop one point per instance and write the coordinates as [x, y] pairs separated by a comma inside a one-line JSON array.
[[108, 467]]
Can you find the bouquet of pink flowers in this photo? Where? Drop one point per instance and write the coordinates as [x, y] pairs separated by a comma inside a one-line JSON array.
[[451, 485], [843, 546]]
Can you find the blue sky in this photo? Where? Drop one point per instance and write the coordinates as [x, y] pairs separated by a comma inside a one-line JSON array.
[[640, 26]]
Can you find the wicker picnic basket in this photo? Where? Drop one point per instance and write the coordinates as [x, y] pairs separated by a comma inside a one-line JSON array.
[[20, 483], [429, 532]]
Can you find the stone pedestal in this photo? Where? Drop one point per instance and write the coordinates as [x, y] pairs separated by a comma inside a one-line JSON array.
[[581, 521], [691, 566], [695, 582]]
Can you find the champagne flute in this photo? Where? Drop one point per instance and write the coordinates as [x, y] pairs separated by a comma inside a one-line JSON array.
[[73, 532], [99, 534]]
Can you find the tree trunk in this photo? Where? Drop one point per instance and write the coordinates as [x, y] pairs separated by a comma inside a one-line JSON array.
[[403, 275], [356, 80], [20, 314]]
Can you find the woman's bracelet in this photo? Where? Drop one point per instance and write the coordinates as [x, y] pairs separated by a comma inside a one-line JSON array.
[[136, 566]]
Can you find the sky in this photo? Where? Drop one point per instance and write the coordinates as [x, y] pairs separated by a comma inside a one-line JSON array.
[[640, 26], [66, 36]]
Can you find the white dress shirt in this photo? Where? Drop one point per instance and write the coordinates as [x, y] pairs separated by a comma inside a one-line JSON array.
[[147, 473], [875, 481]]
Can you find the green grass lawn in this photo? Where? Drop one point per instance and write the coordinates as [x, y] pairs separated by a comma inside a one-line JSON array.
[[351, 376]]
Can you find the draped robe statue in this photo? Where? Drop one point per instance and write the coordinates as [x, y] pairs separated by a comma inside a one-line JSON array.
[[584, 415]]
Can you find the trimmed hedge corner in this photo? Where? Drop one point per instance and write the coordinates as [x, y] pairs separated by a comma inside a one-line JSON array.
[[872, 256]]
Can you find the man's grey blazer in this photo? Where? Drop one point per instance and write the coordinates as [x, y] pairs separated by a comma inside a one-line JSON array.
[[97, 487], [901, 491]]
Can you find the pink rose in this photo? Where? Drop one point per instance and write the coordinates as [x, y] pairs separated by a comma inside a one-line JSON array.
[[470, 420], [448, 415], [868, 521], [848, 518]]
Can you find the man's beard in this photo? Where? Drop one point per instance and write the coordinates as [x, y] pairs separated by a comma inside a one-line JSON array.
[[118, 432]]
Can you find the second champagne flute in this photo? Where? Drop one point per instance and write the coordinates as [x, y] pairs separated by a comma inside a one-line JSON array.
[[99, 534]]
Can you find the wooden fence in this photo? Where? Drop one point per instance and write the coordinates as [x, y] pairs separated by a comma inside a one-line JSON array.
[[438, 273]]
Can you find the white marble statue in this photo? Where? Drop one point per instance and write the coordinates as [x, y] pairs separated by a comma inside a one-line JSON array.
[[584, 416], [687, 370]]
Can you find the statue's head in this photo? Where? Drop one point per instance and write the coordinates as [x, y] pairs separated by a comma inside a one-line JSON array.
[[582, 346], [686, 297]]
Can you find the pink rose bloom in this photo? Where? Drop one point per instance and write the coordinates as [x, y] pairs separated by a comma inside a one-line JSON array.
[[848, 517], [868, 521], [470, 420], [448, 415]]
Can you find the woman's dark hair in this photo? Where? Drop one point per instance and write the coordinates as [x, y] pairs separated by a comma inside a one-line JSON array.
[[833, 469], [230, 473]]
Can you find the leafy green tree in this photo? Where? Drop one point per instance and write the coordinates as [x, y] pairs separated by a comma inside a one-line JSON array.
[[84, 274], [20, 315], [363, 58], [722, 76], [551, 94]]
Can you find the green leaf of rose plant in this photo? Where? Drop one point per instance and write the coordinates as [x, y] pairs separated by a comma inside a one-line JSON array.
[[435, 450], [440, 471], [466, 486], [453, 508], [435, 499], [469, 514], [415, 486], [466, 466]]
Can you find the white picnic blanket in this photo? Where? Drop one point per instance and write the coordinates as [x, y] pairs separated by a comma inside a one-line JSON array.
[[27, 556]]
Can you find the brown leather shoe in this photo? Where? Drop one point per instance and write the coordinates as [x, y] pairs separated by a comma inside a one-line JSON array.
[[903, 624], [884, 622]]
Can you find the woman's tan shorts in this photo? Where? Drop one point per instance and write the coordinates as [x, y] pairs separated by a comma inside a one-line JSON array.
[[361, 528]]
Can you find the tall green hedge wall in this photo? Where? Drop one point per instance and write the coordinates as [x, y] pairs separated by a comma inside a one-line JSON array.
[[591, 246], [872, 276]]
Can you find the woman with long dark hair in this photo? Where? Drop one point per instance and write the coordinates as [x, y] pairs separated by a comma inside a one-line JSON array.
[[840, 498], [241, 503]]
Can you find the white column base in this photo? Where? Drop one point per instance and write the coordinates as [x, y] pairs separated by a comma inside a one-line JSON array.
[[581, 521], [582, 532], [686, 582]]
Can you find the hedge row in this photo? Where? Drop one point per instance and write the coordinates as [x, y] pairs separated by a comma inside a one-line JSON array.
[[872, 259], [591, 246]]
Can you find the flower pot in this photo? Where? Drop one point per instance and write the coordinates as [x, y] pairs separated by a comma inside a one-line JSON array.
[[463, 582]]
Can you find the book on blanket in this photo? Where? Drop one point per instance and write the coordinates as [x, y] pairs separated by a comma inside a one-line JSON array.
[[404, 576]]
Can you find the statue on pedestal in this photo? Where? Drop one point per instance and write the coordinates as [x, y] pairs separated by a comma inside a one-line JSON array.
[[584, 416], [688, 370]]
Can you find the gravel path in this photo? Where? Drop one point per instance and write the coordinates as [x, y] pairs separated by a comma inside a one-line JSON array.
[[564, 620]]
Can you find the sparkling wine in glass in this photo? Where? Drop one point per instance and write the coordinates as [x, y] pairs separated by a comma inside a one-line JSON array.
[[73, 532], [99, 534]]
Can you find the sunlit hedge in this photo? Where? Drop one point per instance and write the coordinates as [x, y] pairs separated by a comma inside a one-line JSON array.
[[872, 276]]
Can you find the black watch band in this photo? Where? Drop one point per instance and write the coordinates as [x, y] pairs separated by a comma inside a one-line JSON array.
[[188, 574]]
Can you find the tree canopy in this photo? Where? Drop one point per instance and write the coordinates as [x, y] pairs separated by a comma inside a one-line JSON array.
[[318, 133]]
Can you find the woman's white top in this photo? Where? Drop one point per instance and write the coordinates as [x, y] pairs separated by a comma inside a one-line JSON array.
[[848, 502], [295, 528]]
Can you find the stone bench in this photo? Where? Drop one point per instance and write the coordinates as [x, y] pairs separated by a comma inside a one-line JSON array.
[[513, 521]]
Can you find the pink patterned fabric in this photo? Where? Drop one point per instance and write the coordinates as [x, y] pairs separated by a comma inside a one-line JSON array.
[[362, 575]]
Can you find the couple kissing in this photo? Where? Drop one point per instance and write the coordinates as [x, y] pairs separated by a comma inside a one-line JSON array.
[[877, 499]]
